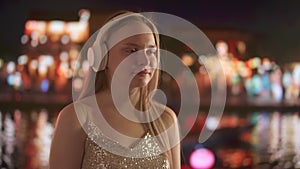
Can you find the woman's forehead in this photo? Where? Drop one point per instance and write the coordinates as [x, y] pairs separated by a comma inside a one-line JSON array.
[[131, 30], [140, 40]]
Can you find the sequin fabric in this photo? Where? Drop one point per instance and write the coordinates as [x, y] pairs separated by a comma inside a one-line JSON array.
[[97, 157]]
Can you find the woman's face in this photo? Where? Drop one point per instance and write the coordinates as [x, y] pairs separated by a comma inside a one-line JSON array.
[[138, 55]]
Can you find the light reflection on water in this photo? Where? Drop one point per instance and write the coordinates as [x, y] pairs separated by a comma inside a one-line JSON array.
[[26, 138], [276, 137]]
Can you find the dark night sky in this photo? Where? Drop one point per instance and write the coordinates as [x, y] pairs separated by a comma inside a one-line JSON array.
[[279, 20]]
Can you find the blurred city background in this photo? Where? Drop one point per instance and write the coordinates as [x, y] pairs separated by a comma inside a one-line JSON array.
[[257, 43]]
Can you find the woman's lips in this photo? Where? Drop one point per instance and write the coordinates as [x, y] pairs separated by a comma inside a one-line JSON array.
[[144, 72]]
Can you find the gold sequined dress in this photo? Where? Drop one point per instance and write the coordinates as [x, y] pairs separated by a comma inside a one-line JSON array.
[[97, 157]]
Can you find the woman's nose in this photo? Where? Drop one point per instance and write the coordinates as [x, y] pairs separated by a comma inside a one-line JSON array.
[[143, 58]]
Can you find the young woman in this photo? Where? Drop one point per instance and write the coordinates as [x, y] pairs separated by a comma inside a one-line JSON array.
[[115, 123]]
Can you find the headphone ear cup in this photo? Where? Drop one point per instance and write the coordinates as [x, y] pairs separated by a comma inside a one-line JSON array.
[[97, 57], [91, 57]]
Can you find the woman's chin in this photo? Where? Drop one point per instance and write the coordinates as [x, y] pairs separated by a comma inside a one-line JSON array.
[[139, 83]]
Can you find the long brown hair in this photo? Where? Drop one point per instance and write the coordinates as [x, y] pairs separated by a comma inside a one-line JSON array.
[[144, 102]]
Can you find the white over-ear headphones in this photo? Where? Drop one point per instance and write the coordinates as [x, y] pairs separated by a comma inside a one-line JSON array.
[[97, 54]]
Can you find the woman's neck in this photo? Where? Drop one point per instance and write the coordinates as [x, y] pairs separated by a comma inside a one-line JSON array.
[[106, 98]]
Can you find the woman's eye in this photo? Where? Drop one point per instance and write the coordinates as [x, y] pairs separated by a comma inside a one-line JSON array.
[[131, 50], [151, 52]]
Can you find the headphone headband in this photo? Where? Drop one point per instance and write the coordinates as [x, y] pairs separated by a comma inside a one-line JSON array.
[[97, 54]]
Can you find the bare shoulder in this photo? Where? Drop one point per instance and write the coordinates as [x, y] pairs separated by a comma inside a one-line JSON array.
[[67, 111], [68, 140], [168, 116], [68, 117], [67, 122], [170, 113]]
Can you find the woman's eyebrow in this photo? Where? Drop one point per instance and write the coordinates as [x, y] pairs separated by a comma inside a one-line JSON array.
[[137, 45]]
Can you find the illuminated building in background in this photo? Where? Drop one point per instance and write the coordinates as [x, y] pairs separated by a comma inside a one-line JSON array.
[[253, 78], [49, 59], [39, 32]]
